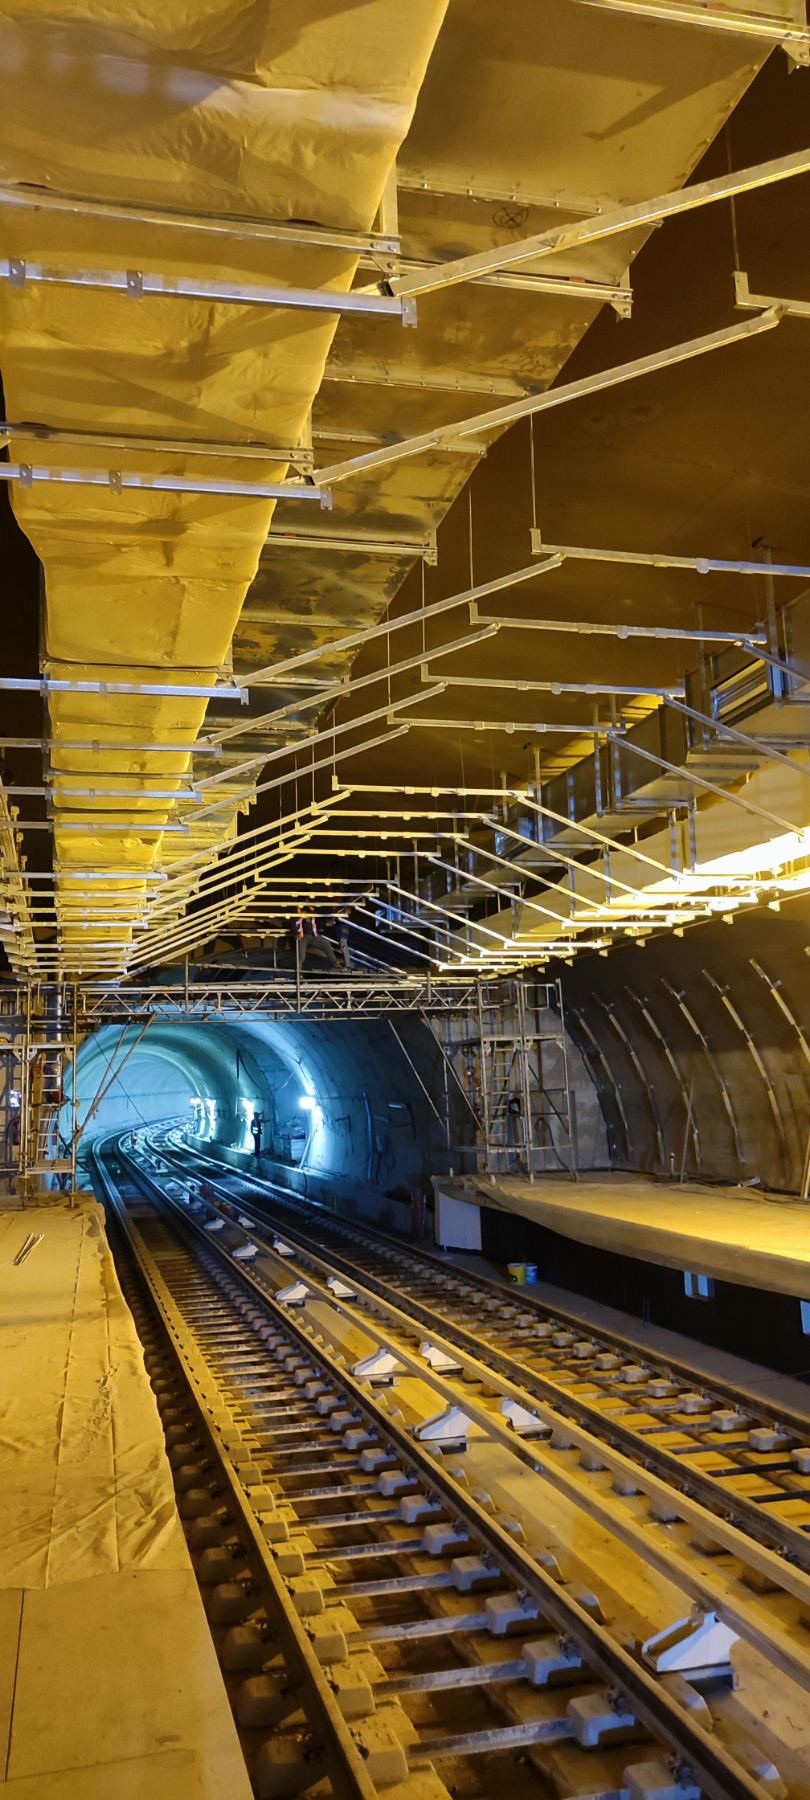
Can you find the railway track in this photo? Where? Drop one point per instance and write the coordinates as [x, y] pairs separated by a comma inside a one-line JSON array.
[[711, 1443], [736, 1561], [380, 1624]]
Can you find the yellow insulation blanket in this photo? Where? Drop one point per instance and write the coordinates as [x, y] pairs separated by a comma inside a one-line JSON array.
[[86, 1485], [267, 112]]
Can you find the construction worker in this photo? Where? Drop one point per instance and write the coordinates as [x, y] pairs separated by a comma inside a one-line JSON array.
[[306, 933], [339, 924], [256, 1124]]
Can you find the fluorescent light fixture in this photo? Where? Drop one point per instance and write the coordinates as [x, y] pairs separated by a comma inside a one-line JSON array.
[[760, 858]]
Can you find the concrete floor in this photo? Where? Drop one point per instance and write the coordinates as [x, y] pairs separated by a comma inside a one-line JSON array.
[[109, 1685], [733, 1234]]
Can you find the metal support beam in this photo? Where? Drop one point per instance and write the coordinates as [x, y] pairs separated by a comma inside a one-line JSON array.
[[373, 372], [687, 775], [619, 295], [655, 559], [93, 822], [563, 728], [705, 15], [414, 1070], [417, 616], [47, 684], [550, 687], [551, 397], [231, 225], [95, 745], [748, 302], [445, 182], [59, 790], [767, 751], [759, 1064], [142, 284], [589, 628], [117, 481], [120, 440], [612, 221], [363, 543]]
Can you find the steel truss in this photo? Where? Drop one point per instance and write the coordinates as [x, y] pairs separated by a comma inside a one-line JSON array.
[[281, 997]]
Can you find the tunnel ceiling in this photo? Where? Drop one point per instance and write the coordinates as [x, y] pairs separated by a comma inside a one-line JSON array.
[[638, 775]]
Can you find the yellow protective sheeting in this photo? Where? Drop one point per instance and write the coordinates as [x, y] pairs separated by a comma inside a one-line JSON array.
[[270, 114], [529, 115], [86, 1485]]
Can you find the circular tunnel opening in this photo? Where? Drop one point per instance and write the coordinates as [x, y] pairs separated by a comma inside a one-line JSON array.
[[331, 1107]]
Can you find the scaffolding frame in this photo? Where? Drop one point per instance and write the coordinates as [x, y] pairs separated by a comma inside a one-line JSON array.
[[12, 1054], [503, 1071], [514, 1077], [49, 1015]]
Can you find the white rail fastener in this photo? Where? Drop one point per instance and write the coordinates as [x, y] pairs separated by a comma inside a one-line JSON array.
[[700, 1641]]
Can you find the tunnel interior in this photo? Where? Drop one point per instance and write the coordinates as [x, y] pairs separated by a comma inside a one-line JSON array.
[[333, 1107], [690, 1060]]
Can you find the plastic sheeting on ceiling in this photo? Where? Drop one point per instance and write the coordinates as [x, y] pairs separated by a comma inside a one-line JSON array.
[[566, 109], [291, 116], [291, 113]]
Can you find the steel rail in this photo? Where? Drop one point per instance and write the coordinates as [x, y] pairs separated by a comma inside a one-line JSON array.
[[720, 1775], [795, 1424], [771, 1637], [346, 1763], [695, 1493]]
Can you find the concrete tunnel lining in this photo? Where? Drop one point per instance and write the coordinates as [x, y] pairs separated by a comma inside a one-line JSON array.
[[364, 1124]]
